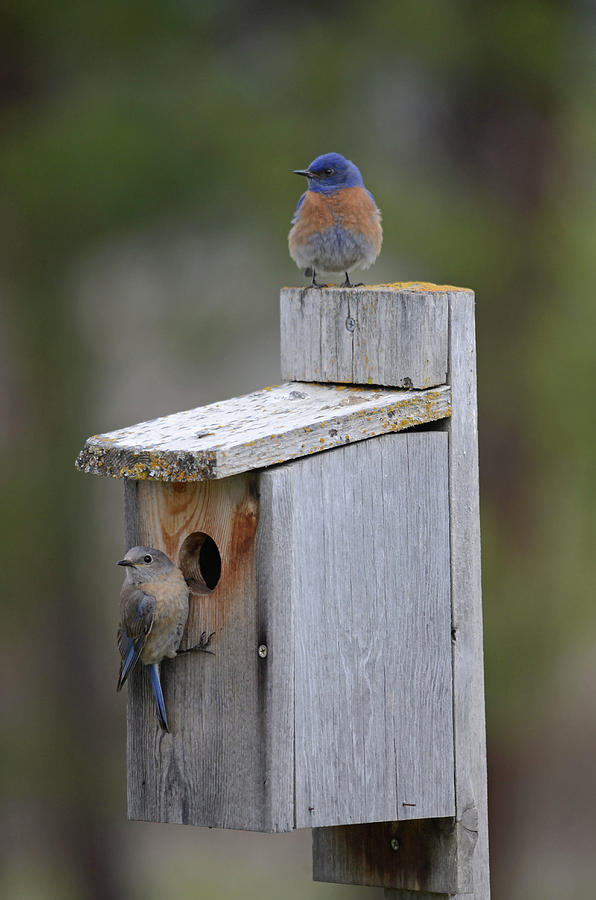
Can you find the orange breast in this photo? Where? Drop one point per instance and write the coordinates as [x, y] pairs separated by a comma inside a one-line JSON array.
[[352, 208], [316, 214], [350, 219]]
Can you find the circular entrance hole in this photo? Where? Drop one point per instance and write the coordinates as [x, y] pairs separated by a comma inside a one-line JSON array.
[[200, 562]]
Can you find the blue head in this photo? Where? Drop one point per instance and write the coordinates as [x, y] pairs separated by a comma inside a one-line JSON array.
[[331, 172]]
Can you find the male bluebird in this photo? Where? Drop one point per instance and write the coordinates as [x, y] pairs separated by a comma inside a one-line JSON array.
[[336, 226], [153, 613]]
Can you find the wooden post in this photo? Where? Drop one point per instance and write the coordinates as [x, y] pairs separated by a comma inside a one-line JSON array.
[[413, 335]]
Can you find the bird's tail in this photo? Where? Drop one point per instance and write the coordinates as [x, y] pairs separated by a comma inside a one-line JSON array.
[[159, 701]]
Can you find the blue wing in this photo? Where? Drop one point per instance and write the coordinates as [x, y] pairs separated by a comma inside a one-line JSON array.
[[136, 621], [371, 196], [300, 202], [157, 691]]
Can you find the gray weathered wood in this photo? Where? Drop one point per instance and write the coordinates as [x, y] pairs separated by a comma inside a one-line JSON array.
[[362, 530], [461, 860], [392, 334], [390, 894], [468, 669], [363, 854], [276, 631], [211, 769], [373, 712], [260, 429], [340, 564]]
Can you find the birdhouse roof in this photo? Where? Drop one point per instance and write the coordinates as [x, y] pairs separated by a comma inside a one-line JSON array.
[[264, 428]]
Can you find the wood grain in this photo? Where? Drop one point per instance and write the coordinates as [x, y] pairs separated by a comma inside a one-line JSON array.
[[460, 862], [210, 770], [260, 429], [392, 335], [373, 713], [468, 669], [390, 894], [364, 854], [338, 562], [276, 632], [349, 573]]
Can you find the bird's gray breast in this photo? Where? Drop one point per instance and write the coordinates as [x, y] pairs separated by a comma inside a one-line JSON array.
[[164, 640], [337, 249]]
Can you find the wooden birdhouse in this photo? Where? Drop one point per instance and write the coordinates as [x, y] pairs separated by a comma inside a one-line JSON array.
[[328, 528]]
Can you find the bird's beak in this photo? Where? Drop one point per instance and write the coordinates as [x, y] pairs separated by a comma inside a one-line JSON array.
[[125, 562], [306, 172]]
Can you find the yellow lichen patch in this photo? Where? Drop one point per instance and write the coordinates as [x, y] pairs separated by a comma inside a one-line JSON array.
[[422, 286], [138, 472], [155, 468]]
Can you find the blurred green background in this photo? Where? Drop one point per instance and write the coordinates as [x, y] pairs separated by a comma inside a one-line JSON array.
[[145, 160]]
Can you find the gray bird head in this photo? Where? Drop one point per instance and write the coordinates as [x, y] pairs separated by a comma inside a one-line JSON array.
[[145, 564]]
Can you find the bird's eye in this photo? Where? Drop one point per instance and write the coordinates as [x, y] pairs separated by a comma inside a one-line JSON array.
[[329, 172], [147, 558]]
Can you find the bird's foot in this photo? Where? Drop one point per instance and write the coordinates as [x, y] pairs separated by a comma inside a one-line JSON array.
[[314, 282], [348, 283], [203, 644]]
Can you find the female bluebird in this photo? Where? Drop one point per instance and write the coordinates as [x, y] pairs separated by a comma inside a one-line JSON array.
[[336, 226], [153, 613]]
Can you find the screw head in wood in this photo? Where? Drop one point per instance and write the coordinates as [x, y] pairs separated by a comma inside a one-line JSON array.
[[262, 651], [394, 844], [350, 323]]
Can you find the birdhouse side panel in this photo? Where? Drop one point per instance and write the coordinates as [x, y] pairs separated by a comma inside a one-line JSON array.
[[372, 619], [210, 769]]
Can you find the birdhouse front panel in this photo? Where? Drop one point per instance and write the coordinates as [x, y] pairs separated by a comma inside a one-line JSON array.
[[327, 696], [210, 770]]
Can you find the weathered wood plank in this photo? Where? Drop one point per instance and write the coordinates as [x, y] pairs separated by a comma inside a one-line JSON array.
[[276, 633], [260, 429], [468, 668], [409, 856], [373, 679], [211, 769], [390, 894], [393, 334]]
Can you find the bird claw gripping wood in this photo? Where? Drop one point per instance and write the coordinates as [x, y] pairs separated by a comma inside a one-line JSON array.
[[203, 644]]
